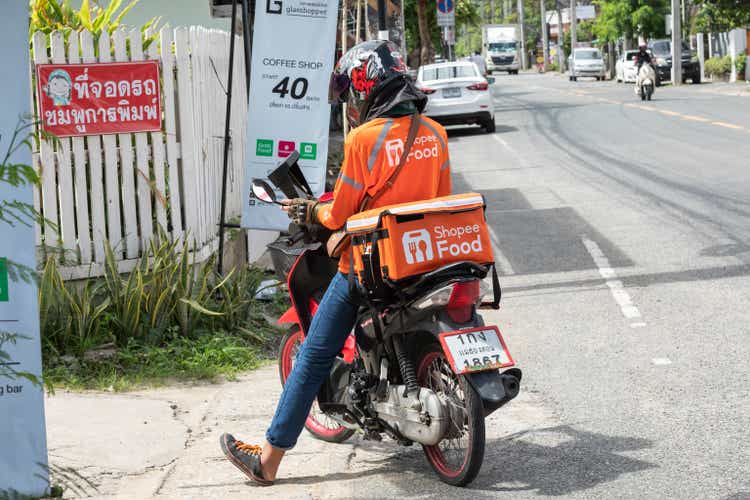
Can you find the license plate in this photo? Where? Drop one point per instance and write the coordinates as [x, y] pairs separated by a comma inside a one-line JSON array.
[[476, 349], [452, 92]]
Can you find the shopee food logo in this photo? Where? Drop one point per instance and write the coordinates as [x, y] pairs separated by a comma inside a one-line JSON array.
[[393, 150], [417, 246], [425, 146], [448, 241]]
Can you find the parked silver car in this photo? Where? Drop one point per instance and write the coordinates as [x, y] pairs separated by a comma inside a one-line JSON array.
[[587, 62]]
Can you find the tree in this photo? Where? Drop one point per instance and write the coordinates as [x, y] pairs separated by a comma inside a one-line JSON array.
[[723, 15], [423, 33], [614, 20], [629, 18], [425, 39]]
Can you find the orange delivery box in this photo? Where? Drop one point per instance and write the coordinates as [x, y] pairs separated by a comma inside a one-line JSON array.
[[409, 239]]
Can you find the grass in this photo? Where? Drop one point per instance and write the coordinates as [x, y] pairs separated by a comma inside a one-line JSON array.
[[209, 357]]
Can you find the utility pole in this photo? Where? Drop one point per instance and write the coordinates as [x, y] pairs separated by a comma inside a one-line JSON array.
[[492, 11], [560, 36], [382, 30], [545, 40], [574, 35], [524, 56], [676, 44], [358, 36], [344, 39]]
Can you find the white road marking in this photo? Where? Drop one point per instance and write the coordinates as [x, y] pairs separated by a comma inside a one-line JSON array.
[[510, 149], [661, 361], [616, 287]]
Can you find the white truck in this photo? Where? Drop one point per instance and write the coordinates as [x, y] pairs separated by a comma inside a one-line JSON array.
[[501, 47]]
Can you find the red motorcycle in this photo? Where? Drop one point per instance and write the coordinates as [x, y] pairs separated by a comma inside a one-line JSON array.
[[394, 377]]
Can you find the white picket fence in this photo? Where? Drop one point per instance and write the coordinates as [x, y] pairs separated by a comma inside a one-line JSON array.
[[123, 187]]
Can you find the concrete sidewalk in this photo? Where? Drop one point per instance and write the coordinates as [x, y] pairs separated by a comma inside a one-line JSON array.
[[165, 443], [739, 89]]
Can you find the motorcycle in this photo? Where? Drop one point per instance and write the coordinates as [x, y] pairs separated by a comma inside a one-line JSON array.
[[645, 82], [396, 374]]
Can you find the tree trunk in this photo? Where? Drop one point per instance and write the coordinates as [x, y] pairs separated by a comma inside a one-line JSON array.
[[425, 40]]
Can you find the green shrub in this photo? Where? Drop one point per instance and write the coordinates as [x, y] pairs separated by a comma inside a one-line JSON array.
[[164, 296], [719, 66], [739, 64]]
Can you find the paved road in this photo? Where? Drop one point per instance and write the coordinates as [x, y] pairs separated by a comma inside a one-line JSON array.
[[624, 237]]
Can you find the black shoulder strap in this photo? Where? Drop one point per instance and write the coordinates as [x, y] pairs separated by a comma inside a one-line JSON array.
[[413, 130]]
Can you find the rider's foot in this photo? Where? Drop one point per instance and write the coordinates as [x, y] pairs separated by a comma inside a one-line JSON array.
[[246, 457]]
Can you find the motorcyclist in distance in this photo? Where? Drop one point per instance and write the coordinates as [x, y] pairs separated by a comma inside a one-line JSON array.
[[382, 103], [642, 57]]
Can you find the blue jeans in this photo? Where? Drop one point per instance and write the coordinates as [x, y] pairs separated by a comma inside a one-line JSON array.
[[330, 328]]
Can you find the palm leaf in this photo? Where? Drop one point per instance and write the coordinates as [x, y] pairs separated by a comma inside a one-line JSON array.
[[84, 15]]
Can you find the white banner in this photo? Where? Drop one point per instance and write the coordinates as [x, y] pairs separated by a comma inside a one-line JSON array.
[[293, 56], [23, 442]]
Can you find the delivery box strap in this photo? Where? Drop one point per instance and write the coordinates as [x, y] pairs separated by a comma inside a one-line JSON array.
[[372, 237], [496, 291]]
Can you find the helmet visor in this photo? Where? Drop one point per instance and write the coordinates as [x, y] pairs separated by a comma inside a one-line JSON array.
[[338, 88]]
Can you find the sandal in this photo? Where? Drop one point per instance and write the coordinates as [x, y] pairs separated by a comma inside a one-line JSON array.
[[246, 457]]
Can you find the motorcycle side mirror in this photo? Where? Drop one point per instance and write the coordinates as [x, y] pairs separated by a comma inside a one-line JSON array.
[[263, 191]]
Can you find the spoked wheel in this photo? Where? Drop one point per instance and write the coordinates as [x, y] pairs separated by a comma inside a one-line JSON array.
[[318, 423], [458, 457]]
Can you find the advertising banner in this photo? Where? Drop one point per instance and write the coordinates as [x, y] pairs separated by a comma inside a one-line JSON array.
[[446, 14], [102, 98], [23, 443], [293, 56]]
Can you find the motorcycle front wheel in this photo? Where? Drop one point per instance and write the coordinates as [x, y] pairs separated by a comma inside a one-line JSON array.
[[318, 423], [458, 457]]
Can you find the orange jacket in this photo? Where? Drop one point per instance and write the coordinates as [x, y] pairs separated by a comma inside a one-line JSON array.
[[371, 152]]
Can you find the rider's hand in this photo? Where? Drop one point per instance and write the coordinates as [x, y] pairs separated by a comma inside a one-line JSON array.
[[300, 210]]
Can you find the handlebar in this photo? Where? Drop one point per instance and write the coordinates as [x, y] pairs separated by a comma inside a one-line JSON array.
[[314, 233]]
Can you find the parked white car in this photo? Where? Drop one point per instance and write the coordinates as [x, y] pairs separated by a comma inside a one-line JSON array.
[[625, 67], [587, 62], [458, 94]]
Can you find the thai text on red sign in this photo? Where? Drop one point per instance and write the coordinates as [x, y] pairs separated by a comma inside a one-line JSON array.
[[101, 98]]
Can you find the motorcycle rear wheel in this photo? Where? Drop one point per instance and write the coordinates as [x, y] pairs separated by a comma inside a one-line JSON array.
[[318, 423], [455, 460]]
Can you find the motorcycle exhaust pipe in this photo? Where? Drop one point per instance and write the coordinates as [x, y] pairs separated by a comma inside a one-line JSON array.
[[511, 384], [495, 388]]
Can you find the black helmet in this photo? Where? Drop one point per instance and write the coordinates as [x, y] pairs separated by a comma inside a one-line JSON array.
[[371, 78]]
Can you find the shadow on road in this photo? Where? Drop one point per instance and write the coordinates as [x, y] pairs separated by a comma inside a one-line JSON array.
[[551, 461], [541, 106], [454, 133], [557, 461]]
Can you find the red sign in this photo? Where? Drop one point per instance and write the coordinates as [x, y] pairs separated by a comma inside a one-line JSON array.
[[103, 98]]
